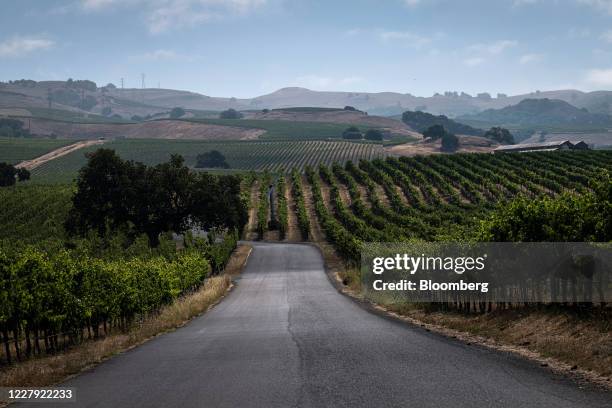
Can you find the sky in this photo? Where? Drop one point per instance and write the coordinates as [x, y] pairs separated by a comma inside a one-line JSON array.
[[246, 48]]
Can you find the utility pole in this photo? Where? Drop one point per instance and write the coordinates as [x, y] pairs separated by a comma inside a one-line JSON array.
[[122, 83], [142, 77]]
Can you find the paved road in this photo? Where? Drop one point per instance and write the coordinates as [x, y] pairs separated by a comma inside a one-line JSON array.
[[285, 338]]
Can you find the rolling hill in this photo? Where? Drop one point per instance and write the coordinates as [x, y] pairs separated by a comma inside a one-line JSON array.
[[541, 113], [85, 96]]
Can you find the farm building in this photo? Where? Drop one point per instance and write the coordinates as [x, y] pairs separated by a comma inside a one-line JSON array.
[[542, 147]]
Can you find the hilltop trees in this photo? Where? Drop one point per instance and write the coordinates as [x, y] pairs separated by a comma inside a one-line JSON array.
[[500, 135], [230, 114], [177, 112], [13, 128], [450, 142], [434, 132], [420, 121], [212, 159], [352, 132], [373, 134], [113, 194]]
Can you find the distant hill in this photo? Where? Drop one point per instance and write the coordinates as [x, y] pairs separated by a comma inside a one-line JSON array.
[[87, 96], [540, 113], [420, 121]]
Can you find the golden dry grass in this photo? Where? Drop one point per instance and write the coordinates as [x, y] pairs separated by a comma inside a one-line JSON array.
[[50, 370]]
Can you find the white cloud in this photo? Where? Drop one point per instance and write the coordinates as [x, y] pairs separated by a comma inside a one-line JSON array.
[[473, 62], [163, 15], [493, 48], [529, 58], [412, 3], [599, 77], [325, 82], [19, 46], [607, 36], [406, 37]]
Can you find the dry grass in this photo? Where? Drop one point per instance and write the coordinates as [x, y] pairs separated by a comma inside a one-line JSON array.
[[50, 370], [563, 341], [580, 342]]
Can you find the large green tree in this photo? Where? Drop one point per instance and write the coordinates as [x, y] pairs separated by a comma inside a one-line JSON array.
[[113, 194]]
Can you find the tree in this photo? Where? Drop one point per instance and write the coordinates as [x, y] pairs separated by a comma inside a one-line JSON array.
[[450, 142], [349, 108], [177, 112], [13, 128], [373, 134], [434, 132], [23, 174], [500, 135], [113, 194], [352, 132], [7, 175], [212, 159], [230, 114]]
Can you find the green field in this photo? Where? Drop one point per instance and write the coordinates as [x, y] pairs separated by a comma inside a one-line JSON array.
[[287, 130], [14, 150], [242, 155], [61, 115]]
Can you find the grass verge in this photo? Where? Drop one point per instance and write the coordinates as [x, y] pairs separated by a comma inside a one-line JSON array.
[[49, 370]]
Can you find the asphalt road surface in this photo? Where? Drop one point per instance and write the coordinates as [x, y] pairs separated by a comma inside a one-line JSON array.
[[284, 337]]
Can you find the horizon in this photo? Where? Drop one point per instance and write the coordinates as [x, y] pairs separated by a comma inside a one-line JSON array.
[[247, 48]]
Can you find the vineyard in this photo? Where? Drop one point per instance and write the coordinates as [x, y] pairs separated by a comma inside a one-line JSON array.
[[240, 155], [434, 198], [15, 150]]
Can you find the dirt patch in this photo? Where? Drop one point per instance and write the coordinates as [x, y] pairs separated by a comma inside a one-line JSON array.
[[157, 129], [54, 154], [467, 144]]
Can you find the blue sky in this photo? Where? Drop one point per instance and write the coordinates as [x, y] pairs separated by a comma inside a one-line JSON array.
[[245, 48]]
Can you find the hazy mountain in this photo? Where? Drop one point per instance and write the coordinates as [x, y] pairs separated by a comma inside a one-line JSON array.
[[541, 112], [85, 96]]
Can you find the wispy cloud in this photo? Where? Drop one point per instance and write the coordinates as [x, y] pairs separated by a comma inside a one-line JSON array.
[[406, 37], [162, 55], [493, 48], [163, 15], [599, 77], [605, 5], [474, 62], [529, 58], [19, 46], [607, 36], [575, 32]]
